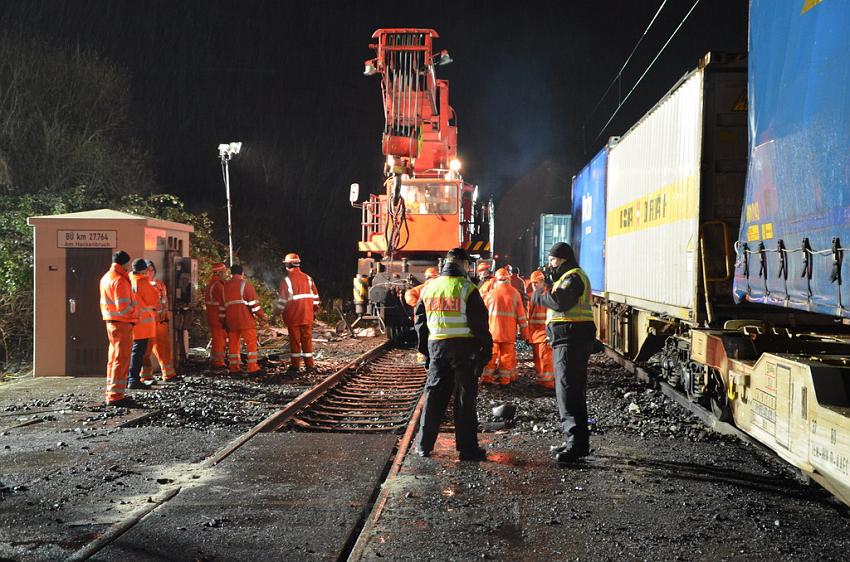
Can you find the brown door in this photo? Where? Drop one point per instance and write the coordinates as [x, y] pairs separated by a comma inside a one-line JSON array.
[[87, 345]]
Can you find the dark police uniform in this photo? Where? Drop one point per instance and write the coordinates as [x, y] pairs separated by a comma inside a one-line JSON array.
[[572, 333], [451, 322]]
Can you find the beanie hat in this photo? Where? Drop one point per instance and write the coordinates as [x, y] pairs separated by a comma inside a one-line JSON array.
[[562, 250], [139, 264], [120, 257], [456, 255]]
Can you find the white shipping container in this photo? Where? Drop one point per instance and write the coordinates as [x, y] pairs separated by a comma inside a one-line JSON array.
[[652, 206]]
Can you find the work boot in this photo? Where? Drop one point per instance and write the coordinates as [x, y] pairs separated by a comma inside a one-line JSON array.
[[422, 452], [474, 455], [126, 402], [138, 385], [569, 454]]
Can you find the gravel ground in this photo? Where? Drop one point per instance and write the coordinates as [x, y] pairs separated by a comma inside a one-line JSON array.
[[657, 486], [68, 470]]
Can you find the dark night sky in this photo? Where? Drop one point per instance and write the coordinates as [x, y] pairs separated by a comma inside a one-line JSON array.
[[286, 79]]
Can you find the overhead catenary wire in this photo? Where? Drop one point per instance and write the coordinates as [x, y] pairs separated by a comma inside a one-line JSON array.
[[646, 71]]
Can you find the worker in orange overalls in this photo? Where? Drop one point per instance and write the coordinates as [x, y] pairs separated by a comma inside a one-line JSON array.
[[298, 299], [161, 348], [214, 300], [241, 307], [411, 297], [485, 278], [144, 332], [507, 313], [118, 309], [543, 365]]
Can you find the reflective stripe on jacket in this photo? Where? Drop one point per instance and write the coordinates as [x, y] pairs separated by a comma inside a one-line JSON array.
[[297, 295], [240, 304], [117, 300], [445, 301], [147, 298], [582, 311], [536, 323], [507, 313], [214, 298], [163, 313]]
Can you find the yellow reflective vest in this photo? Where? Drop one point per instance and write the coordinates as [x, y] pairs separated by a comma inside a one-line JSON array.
[[582, 311], [445, 300]]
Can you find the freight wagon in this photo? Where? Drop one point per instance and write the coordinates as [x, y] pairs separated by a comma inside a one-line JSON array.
[[755, 328]]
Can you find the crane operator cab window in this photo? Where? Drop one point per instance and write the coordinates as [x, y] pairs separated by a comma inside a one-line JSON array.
[[430, 198]]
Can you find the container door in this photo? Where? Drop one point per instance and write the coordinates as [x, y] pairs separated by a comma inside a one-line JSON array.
[[87, 345]]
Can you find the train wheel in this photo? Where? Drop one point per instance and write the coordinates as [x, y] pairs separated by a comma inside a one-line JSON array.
[[718, 399]]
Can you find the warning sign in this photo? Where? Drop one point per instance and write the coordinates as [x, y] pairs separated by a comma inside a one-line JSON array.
[[88, 239]]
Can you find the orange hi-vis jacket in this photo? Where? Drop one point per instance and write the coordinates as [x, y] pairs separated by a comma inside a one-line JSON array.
[[486, 286], [507, 313], [297, 295], [411, 296], [536, 323], [163, 314], [240, 304], [214, 299], [147, 298], [117, 300]]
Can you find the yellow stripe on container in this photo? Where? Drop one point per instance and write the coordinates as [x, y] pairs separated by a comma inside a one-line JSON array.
[[672, 203]]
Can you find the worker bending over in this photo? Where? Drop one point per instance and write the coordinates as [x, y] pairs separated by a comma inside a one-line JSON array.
[[572, 332], [161, 348], [240, 308], [214, 300], [451, 323], [119, 312], [537, 335], [506, 315], [144, 332], [298, 300]]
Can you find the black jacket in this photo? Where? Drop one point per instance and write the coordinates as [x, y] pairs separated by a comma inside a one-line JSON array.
[[476, 314], [563, 299]]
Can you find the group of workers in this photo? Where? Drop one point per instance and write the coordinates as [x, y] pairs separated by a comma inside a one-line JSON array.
[[233, 308], [134, 306], [466, 331], [510, 313]]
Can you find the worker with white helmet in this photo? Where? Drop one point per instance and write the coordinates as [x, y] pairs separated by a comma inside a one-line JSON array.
[[298, 300]]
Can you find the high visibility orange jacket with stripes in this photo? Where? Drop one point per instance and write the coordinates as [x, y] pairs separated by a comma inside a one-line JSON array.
[[163, 314], [214, 299], [117, 300], [507, 313], [486, 286], [297, 295], [536, 322], [241, 304], [147, 299], [411, 296]]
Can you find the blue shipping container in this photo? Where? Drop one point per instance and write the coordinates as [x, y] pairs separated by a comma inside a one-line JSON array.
[[589, 219], [553, 228], [796, 215]]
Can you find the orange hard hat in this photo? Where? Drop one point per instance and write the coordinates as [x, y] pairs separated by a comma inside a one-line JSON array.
[[218, 266], [482, 266], [431, 272], [509, 268], [502, 274], [537, 275], [291, 258]]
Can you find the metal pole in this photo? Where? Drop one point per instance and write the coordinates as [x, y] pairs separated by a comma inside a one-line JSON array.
[[226, 162]]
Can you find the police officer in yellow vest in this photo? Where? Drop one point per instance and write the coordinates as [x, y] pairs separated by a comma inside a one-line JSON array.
[[451, 323], [572, 333]]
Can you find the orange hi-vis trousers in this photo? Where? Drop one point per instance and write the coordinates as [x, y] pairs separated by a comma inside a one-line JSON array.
[[161, 349], [233, 348], [301, 345], [502, 367], [120, 336], [543, 365]]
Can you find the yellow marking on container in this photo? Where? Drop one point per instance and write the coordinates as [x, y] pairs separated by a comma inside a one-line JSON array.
[[808, 5], [741, 103], [753, 212], [672, 203], [753, 233], [767, 231]]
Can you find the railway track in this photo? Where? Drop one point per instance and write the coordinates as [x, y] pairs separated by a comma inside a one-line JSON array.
[[377, 395]]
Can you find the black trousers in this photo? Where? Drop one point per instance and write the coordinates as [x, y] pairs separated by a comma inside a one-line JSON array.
[[451, 373], [136, 358], [571, 391]]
